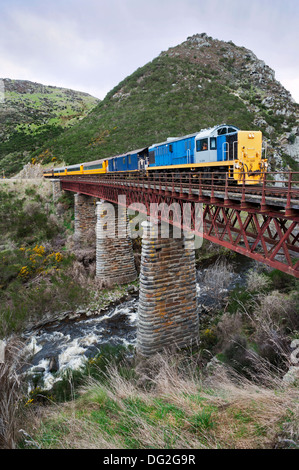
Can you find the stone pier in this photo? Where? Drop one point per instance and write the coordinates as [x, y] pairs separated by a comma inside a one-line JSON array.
[[167, 312], [56, 189], [85, 218], [115, 260]]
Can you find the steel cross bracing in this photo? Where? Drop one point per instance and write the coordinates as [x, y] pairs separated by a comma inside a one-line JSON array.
[[261, 222]]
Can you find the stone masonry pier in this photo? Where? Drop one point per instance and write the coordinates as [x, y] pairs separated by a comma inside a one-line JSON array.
[[115, 260], [85, 217], [56, 186], [167, 312]]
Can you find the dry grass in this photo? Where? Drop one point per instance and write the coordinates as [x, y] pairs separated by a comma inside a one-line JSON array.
[[273, 318], [169, 405], [217, 278], [10, 395], [257, 281], [42, 186]]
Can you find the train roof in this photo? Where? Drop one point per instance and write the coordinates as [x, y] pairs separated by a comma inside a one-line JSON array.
[[137, 150], [94, 162], [211, 130], [201, 134], [131, 152], [57, 168], [174, 139], [73, 166]]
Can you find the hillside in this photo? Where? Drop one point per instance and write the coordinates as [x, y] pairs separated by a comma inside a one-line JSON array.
[[32, 114], [199, 83]]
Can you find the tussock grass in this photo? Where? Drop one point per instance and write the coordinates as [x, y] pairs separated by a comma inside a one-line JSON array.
[[23, 186], [11, 395], [169, 405]]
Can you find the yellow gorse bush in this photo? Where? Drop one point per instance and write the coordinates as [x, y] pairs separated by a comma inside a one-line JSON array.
[[24, 272], [39, 250], [38, 262]]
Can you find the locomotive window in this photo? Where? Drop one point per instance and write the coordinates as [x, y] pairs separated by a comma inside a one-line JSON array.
[[222, 131], [231, 129], [170, 148], [213, 143], [201, 145]]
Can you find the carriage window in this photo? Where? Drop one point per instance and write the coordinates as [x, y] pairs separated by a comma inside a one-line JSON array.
[[129, 159], [201, 145], [213, 143], [124, 160]]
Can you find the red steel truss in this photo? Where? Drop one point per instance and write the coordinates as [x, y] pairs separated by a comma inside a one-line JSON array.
[[261, 222]]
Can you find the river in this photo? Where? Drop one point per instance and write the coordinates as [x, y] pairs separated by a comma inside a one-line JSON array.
[[64, 345]]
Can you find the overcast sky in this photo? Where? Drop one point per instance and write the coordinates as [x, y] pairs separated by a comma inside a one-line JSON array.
[[91, 45]]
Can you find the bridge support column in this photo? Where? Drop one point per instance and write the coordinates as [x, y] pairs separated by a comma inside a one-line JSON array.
[[56, 189], [115, 260], [85, 218], [167, 311]]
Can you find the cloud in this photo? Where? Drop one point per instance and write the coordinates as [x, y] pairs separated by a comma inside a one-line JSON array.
[[96, 43]]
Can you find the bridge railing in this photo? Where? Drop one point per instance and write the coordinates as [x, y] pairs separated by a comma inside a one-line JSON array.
[[283, 185]]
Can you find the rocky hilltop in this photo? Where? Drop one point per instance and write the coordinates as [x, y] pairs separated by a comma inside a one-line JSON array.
[[275, 111], [249, 78], [33, 113]]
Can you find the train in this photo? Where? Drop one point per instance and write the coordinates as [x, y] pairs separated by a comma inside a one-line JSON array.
[[222, 149]]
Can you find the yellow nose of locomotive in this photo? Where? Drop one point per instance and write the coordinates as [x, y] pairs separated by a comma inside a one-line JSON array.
[[249, 165]]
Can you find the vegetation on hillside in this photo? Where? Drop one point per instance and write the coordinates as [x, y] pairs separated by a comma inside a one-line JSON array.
[[166, 97], [199, 83], [33, 114], [35, 277]]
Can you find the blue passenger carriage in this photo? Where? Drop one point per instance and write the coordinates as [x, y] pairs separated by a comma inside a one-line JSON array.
[[131, 161]]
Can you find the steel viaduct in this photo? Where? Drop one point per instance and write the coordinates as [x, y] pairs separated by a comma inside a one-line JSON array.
[[261, 222]]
